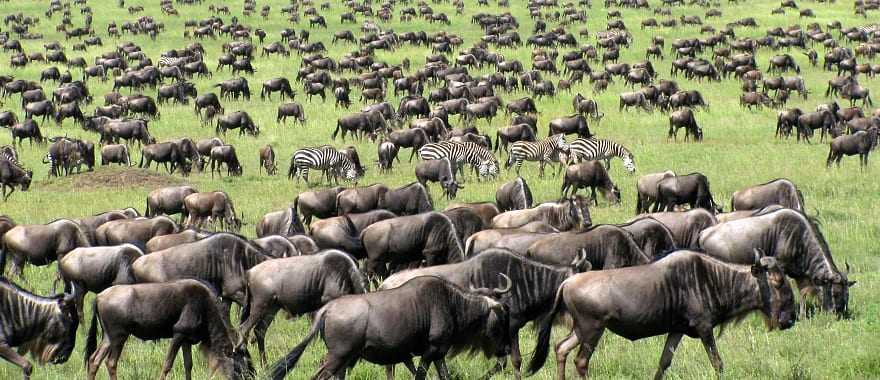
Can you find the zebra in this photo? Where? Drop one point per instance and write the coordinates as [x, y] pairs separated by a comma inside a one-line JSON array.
[[324, 158], [481, 159], [8, 153], [582, 149], [173, 61], [542, 151]]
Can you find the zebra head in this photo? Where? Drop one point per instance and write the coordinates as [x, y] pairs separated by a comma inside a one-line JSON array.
[[629, 164], [560, 142]]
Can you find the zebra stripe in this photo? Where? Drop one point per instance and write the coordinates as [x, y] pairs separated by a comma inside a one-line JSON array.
[[582, 149], [173, 61], [480, 158], [322, 158], [542, 151]]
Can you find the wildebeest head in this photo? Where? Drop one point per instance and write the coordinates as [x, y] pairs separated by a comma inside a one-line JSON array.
[[495, 337], [57, 340], [776, 294], [578, 209], [450, 188], [835, 291]]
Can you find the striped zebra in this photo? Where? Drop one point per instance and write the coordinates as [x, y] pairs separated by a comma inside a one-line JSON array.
[[582, 149], [173, 61], [542, 151], [324, 158], [9, 153], [481, 159]]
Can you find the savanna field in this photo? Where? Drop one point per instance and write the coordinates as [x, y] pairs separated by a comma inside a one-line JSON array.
[[739, 150]]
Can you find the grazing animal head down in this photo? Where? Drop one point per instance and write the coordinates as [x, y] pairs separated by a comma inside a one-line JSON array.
[[777, 298]]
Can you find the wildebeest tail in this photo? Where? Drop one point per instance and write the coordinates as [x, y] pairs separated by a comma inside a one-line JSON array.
[[338, 126], [545, 328], [283, 366], [92, 336]]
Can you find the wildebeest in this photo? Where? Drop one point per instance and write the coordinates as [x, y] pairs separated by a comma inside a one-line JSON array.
[[210, 207], [590, 174], [441, 171], [185, 311], [692, 189], [516, 239], [685, 226], [225, 155], [426, 317], [343, 232], [514, 195], [27, 129], [646, 188], [429, 236], [137, 231], [318, 203], [267, 160], [44, 326], [387, 153], [220, 259], [605, 246], [686, 293], [409, 199], [93, 269], [532, 287], [283, 222], [634, 99], [297, 285], [684, 118], [12, 174], [566, 214], [237, 120], [167, 200], [115, 154], [360, 199], [40, 244], [281, 85], [860, 143], [164, 153], [291, 109], [796, 241], [574, 124], [90, 224], [276, 246], [779, 191], [511, 134], [414, 138], [808, 122], [653, 237]]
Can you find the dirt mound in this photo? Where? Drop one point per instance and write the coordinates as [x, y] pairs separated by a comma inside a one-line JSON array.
[[114, 177]]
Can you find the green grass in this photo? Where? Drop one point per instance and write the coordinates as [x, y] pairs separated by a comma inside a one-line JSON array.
[[739, 150]]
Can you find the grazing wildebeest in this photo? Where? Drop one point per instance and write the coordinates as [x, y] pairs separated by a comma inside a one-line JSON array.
[[137, 231], [297, 285], [114, 130], [28, 129], [185, 311], [566, 214], [685, 293], [164, 153], [240, 120], [429, 236], [532, 287], [512, 134], [210, 207], [283, 222], [684, 118], [291, 109], [93, 269], [514, 195], [361, 123], [343, 232], [586, 106], [634, 99], [220, 259], [860, 143], [12, 174], [646, 188], [281, 85], [441, 171], [692, 189], [521, 106], [318, 203], [570, 125], [653, 237], [115, 154], [590, 174], [387, 153], [267, 160], [44, 326], [796, 241], [605, 246], [231, 88], [167, 200], [779, 191], [40, 244], [427, 317], [414, 138], [225, 155]]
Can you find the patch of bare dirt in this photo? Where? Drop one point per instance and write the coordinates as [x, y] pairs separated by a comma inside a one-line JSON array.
[[113, 177]]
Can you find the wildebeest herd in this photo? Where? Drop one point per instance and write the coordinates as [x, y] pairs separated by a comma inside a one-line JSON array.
[[386, 275]]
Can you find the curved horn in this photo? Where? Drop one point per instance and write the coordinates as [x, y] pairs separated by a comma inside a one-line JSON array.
[[505, 288], [846, 265], [758, 254]]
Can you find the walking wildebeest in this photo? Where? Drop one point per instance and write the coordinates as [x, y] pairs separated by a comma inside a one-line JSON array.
[[566, 214], [692, 189], [605, 246], [409, 199], [653, 237], [514, 195], [297, 285], [590, 174], [185, 311], [167, 200], [860, 143], [44, 326], [11, 174], [40, 244], [685, 293], [796, 241], [779, 191], [685, 226], [115, 154], [93, 269], [427, 317], [210, 207], [574, 124], [159, 243]]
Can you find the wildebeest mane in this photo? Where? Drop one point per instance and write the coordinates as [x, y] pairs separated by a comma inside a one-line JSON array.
[[522, 194], [447, 237]]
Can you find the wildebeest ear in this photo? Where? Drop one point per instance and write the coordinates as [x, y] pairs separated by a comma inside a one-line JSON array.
[[850, 283]]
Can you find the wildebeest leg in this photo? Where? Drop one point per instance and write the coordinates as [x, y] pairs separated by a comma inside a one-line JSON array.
[[171, 355], [187, 360], [442, 370], [588, 333], [114, 352], [672, 341], [711, 350], [9, 354], [563, 348]]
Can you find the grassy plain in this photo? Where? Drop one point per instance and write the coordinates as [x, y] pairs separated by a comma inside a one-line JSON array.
[[739, 150]]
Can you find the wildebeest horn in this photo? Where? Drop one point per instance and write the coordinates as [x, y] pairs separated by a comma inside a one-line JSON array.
[[758, 254], [506, 288], [846, 265]]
